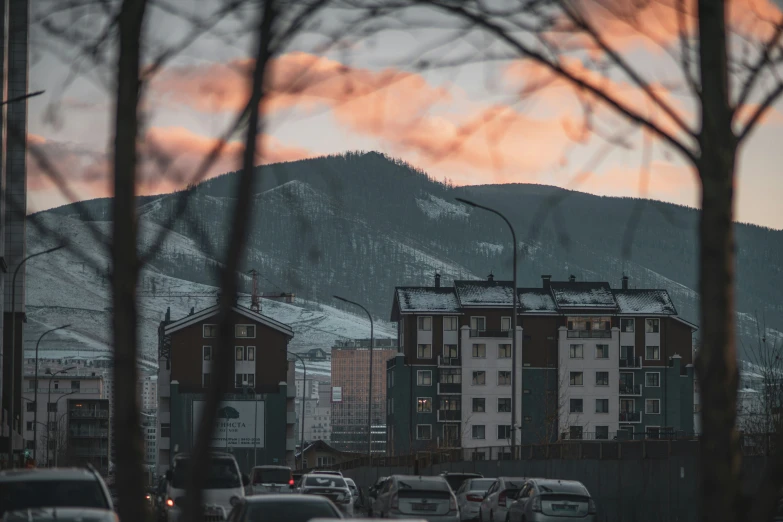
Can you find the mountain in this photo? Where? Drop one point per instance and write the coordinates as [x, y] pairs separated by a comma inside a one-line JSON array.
[[359, 224]]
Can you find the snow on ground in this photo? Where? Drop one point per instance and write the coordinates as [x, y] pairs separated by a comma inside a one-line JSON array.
[[436, 208], [490, 248]]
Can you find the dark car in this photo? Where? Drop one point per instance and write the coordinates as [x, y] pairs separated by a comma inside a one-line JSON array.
[[455, 480], [291, 508], [375, 488]]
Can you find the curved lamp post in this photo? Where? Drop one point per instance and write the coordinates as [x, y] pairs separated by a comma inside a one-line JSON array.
[[514, 300], [35, 394], [13, 346], [369, 407], [49, 398]]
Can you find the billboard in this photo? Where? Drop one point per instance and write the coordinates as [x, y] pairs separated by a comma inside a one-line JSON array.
[[239, 424], [337, 394]]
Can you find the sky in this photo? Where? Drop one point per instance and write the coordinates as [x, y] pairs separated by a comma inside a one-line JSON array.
[[395, 92]]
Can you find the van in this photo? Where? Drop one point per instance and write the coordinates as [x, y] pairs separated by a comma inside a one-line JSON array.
[[271, 479], [224, 487]]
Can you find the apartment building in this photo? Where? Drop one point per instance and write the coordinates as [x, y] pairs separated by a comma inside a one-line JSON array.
[[88, 434], [593, 363], [256, 418], [351, 403]]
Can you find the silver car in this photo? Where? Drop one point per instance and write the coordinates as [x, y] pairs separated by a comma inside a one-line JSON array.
[[496, 502], [332, 487], [549, 500], [469, 497], [407, 496]]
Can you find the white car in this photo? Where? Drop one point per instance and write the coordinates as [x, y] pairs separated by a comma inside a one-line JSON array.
[[225, 485], [470, 495], [496, 502]]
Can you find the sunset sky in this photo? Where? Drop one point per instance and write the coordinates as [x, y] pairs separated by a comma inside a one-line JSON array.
[[371, 96]]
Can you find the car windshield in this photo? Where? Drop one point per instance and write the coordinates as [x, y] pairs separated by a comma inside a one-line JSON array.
[[324, 481], [562, 487], [223, 474], [423, 484], [51, 493], [271, 476], [455, 481], [480, 484], [514, 484], [293, 510]]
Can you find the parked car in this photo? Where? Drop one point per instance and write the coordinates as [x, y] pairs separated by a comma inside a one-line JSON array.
[[291, 508], [60, 514], [225, 484], [470, 495], [455, 479], [549, 500], [356, 493], [496, 501], [326, 472], [271, 479], [26, 489], [331, 487], [407, 496], [372, 492]]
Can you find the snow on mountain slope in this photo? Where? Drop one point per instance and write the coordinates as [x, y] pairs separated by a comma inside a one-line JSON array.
[[436, 208], [62, 289]]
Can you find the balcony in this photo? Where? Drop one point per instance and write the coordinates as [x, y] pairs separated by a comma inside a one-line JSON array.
[[449, 388], [631, 389], [90, 452], [633, 417], [64, 390], [490, 333], [631, 362], [589, 334], [449, 362], [89, 434], [89, 414], [449, 415]]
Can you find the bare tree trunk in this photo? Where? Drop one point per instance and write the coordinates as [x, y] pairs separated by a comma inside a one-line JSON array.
[[717, 363], [130, 453]]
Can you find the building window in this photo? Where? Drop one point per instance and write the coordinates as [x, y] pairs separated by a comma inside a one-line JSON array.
[[504, 378], [75, 385], [576, 379], [205, 380], [52, 407], [652, 353], [626, 353], [602, 378], [505, 323], [576, 406], [602, 405], [31, 384], [504, 351], [424, 377], [575, 432], [240, 353], [31, 406], [479, 405], [652, 325], [602, 432], [504, 405], [479, 351], [29, 425], [450, 404], [504, 432], [478, 431], [245, 330], [245, 379], [450, 324], [450, 351], [424, 351], [576, 351], [652, 380], [451, 376], [602, 351], [589, 323], [209, 331], [206, 353], [652, 406], [424, 405], [425, 324], [478, 323], [479, 378], [251, 353], [423, 431], [627, 325]]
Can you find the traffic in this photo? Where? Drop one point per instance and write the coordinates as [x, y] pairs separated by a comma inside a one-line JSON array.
[[276, 493]]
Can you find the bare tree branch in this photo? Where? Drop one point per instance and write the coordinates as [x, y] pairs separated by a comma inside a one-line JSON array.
[[758, 67], [765, 105]]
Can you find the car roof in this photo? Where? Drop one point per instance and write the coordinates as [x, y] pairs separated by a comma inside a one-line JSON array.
[[18, 475], [568, 485], [60, 513], [260, 499], [514, 479], [461, 474], [272, 467]]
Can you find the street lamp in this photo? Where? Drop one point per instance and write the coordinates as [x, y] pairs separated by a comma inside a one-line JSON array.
[[35, 394], [369, 407], [304, 391], [13, 346], [514, 300], [49, 398]]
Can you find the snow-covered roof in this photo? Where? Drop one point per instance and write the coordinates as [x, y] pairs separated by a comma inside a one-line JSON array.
[[536, 300], [580, 294], [214, 310], [484, 293], [427, 299], [647, 302]]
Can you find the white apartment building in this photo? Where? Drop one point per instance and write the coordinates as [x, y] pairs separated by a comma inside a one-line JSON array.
[[486, 384], [318, 415], [589, 370]]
